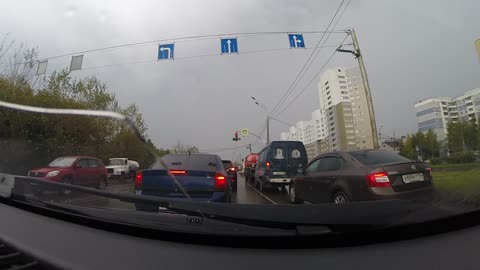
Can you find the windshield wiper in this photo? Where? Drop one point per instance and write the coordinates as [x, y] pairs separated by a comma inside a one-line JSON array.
[[364, 214]]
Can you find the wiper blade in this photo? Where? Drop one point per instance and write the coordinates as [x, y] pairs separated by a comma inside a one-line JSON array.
[[362, 214]]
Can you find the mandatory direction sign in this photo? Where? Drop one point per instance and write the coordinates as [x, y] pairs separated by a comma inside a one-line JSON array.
[[165, 51], [229, 45], [296, 41]]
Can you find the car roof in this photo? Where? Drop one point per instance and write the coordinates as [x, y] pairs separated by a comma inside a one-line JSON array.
[[77, 157]]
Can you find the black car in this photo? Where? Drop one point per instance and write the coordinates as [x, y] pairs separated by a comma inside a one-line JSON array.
[[231, 173], [279, 162], [363, 175]]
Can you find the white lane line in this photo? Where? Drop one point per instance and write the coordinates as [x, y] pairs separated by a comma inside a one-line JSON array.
[[261, 194]]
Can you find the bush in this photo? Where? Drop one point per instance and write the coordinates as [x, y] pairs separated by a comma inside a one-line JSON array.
[[437, 161], [460, 158]]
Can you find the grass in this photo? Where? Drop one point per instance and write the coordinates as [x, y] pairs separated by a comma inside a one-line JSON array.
[[457, 166], [461, 185]]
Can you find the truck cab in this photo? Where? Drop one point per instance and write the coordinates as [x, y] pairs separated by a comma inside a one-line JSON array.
[[122, 168]]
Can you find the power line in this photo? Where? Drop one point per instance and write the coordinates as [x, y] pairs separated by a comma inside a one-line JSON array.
[[323, 45], [176, 39], [301, 73], [311, 81]]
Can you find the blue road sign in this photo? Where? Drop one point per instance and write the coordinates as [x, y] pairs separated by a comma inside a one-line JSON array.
[[165, 51], [296, 41], [229, 45]]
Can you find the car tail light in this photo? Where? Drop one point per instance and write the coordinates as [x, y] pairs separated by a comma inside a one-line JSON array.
[[268, 165], [379, 179], [178, 172], [220, 182], [233, 169], [138, 179], [429, 171]]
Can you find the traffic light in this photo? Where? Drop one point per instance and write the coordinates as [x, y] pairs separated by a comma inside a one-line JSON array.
[[236, 138]]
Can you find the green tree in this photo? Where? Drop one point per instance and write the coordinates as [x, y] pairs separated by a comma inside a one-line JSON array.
[[407, 149]]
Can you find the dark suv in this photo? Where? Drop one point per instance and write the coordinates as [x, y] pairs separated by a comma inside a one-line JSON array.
[[80, 170], [279, 162]]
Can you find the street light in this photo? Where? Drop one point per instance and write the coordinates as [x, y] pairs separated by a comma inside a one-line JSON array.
[[261, 105]]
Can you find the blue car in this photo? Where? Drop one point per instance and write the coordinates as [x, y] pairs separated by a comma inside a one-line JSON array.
[[201, 176]]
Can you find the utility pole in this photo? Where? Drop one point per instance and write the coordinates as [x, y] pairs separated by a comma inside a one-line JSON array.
[[268, 129], [358, 55], [250, 148]]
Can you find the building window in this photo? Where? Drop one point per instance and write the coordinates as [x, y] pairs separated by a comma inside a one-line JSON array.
[[343, 87], [342, 82], [339, 70], [341, 77], [344, 92], [328, 87], [346, 98], [326, 83], [330, 103], [329, 97]]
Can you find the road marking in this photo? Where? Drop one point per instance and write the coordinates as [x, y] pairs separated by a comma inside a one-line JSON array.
[[261, 194]]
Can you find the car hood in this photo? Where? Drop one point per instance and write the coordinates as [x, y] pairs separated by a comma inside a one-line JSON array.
[[114, 167]]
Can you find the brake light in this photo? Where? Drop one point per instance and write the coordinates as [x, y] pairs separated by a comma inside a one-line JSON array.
[[178, 172], [138, 179], [233, 169], [378, 180], [220, 182], [429, 171], [268, 165]]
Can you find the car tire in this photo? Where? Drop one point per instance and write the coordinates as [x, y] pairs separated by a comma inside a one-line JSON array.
[[292, 195], [66, 191], [102, 185], [340, 197]]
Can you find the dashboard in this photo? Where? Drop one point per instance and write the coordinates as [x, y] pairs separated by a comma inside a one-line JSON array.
[[75, 246]]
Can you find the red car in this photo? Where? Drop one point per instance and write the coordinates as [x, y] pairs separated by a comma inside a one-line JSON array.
[[80, 170]]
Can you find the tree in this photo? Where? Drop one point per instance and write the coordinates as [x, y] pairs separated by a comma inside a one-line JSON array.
[[407, 149], [184, 148]]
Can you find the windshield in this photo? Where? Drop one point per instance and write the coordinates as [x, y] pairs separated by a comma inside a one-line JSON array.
[[62, 162], [249, 107], [117, 162]]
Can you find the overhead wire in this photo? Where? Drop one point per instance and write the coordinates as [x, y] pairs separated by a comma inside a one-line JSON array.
[[303, 69], [311, 81]]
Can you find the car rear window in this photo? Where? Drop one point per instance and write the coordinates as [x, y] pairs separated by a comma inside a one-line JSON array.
[[227, 164], [377, 157], [194, 162]]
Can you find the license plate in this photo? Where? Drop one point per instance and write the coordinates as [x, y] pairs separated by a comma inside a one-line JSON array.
[[415, 177], [279, 173]]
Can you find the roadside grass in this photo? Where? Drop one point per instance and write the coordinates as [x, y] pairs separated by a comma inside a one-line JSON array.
[[458, 185], [457, 166]]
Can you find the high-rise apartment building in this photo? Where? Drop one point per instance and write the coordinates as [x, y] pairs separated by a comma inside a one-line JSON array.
[[342, 122], [435, 113]]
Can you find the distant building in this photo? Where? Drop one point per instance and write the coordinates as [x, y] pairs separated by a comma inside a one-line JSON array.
[[435, 113], [477, 47], [343, 121]]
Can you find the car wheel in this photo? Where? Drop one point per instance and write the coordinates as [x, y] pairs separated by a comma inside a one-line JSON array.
[[102, 185], [340, 197], [292, 195], [67, 191]]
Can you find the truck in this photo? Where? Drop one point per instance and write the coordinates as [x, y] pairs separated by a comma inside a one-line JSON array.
[[122, 168], [250, 162]]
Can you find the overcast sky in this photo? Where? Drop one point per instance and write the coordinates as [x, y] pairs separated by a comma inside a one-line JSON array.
[[412, 49]]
